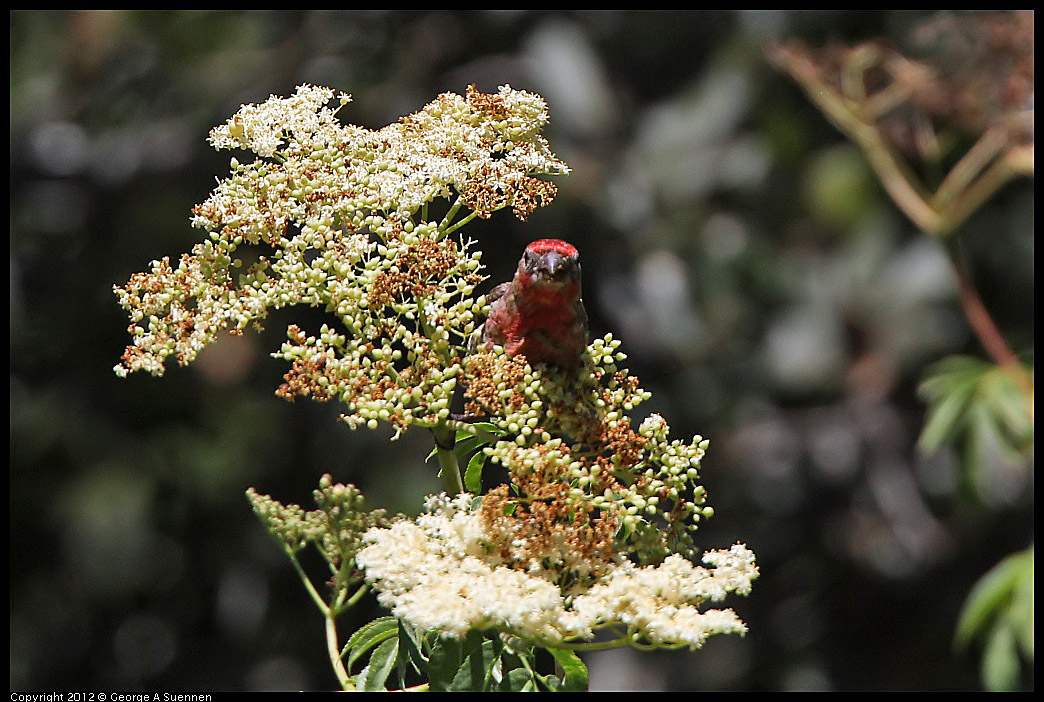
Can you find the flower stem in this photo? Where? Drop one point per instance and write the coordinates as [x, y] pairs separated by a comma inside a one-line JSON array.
[[448, 219], [449, 469], [334, 651], [461, 223], [307, 582]]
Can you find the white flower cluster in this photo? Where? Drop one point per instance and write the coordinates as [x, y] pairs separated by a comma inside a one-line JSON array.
[[336, 216], [441, 573], [264, 129]]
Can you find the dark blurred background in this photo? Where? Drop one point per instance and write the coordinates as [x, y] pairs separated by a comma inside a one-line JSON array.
[[766, 289]]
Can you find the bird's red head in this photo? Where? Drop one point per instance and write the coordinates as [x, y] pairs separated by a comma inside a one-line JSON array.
[[550, 261]]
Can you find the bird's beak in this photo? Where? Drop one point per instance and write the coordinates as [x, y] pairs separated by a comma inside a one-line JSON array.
[[553, 262]]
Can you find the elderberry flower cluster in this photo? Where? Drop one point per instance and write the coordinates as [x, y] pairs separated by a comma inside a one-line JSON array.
[[593, 528], [443, 572], [337, 216], [336, 528], [569, 443]]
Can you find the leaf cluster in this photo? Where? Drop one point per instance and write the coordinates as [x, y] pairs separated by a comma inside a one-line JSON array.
[[481, 661]]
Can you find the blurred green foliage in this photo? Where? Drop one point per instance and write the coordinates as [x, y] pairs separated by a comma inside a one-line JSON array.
[[1000, 610], [981, 407]]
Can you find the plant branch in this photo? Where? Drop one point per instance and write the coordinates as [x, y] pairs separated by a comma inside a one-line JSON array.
[[986, 329]]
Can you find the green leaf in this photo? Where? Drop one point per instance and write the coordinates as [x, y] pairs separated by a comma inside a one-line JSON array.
[[410, 646], [574, 672], [1000, 607], [1021, 610], [466, 443], [519, 680], [948, 389], [982, 409], [471, 675], [943, 420], [488, 431], [443, 661], [473, 474], [381, 664], [368, 636], [474, 674], [1000, 661]]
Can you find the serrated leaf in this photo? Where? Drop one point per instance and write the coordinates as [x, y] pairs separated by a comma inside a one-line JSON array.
[[368, 636], [410, 646], [488, 431], [467, 444], [381, 664], [574, 672], [443, 661], [474, 674]]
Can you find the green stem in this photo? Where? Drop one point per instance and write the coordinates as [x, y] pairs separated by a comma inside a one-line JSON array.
[[334, 651], [597, 645], [307, 582], [449, 469], [458, 225], [330, 613], [454, 208]]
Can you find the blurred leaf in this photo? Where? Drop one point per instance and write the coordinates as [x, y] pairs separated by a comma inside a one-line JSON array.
[[1022, 607], [840, 186], [1000, 661], [976, 403], [948, 389], [991, 593], [1000, 608]]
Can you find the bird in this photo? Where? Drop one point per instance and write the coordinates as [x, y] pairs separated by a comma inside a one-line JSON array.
[[539, 313]]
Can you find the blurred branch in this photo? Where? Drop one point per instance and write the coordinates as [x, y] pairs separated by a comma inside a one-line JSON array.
[[986, 330], [839, 90], [991, 163], [849, 116]]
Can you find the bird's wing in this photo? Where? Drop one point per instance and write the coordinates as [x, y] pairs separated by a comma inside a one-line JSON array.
[[497, 292]]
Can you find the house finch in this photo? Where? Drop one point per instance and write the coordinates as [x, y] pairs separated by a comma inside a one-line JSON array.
[[539, 313]]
